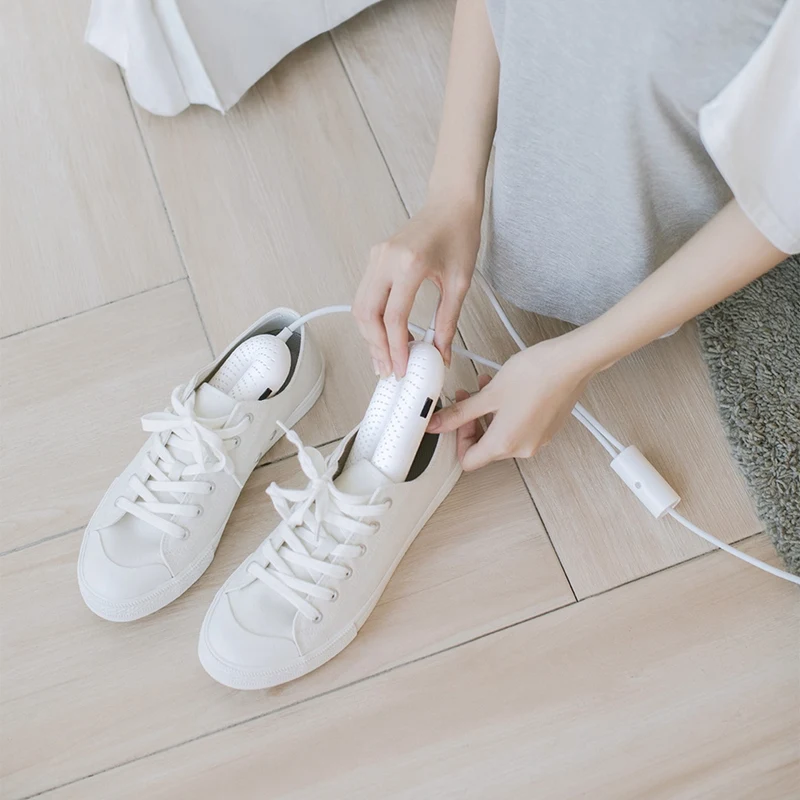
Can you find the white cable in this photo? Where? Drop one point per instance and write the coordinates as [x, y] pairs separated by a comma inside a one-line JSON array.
[[600, 433], [583, 416], [319, 312], [612, 445], [489, 292], [778, 573], [459, 351]]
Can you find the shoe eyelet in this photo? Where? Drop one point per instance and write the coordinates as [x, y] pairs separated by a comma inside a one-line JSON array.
[[199, 511], [334, 596], [211, 487], [363, 550], [388, 503], [184, 534], [348, 574], [250, 418], [376, 526], [317, 619], [237, 440]]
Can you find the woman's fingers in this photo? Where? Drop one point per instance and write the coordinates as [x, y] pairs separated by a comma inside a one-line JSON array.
[[395, 318], [368, 309], [453, 294], [467, 435]]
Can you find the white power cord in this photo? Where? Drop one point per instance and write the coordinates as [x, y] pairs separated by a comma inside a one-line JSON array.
[[639, 475], [779, 573], [319, 312]]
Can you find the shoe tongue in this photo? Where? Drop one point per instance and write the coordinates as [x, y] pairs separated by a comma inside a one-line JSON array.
[[210, 402], [363, 477]]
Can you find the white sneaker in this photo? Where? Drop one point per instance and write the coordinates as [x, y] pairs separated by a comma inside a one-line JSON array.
[[302, 596], [157, 527]]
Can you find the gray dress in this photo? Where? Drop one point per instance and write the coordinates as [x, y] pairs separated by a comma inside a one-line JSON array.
[[600, 174]]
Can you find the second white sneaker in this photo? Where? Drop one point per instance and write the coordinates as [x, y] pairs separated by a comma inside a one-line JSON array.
[[302, 596]]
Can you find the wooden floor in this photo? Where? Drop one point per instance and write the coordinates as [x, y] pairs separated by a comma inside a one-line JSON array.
[[543, 638]]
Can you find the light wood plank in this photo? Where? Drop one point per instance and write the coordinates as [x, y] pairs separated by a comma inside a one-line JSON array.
[[658, 399], [278, 203], [99, 694], [681, 686], [396, 54], [82, 222], [72, 393]]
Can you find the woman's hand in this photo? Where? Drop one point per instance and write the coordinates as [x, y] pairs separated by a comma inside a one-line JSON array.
[[527, 401], [440, 244], [536, 389]]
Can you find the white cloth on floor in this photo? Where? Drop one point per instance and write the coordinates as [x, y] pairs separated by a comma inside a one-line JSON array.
[[178, 52]]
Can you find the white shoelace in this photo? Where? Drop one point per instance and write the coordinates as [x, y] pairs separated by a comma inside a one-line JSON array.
[[318, 523], [206, 440]]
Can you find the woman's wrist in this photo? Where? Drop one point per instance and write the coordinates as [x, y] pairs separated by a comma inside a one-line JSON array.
[[458, 197], [586, 352]]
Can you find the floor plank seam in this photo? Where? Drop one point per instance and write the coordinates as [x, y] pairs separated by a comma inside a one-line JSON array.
[[43, 540], [546, 531], [713, 550], [369, 123], [164, 205], [93, 308]]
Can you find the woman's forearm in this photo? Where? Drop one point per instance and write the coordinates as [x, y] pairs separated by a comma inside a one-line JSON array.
[[469, 115], [726, 254]]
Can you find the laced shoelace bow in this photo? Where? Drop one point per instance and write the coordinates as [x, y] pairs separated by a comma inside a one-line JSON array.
[[206, 440], [316, 529]]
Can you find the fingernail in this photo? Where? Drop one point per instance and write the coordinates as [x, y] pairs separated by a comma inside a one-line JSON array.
[[375, 367], [385, 371], [434, 424]]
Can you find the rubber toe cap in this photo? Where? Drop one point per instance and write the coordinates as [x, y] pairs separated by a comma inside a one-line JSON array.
[[113, 582], [233, 645]]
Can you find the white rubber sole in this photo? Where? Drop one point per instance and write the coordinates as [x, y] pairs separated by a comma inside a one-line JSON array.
[[143, 606], [250, 679]]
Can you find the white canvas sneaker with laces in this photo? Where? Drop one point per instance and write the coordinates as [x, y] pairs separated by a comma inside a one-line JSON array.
[[302, 596], [157, 527]]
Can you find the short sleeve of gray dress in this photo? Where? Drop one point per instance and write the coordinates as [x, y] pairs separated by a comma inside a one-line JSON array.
[[600, 174]]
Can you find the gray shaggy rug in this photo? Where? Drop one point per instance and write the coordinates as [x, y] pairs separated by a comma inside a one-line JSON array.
[[751, 343]]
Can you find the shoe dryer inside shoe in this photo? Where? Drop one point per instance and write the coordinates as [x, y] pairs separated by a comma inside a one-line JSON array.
[[256, 369], [398, 414]]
